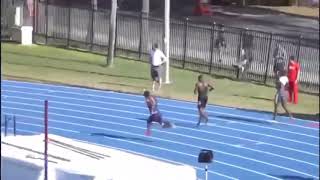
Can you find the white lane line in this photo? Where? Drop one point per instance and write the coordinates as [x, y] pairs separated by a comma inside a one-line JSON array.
[[72, 110], [182, 135], [130, 112], [164, 149], [138, 153], [220, 119], [125, 99], [140, 107], [96, 120], [88, 89]]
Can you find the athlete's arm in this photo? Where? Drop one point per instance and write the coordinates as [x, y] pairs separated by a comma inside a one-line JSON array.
[[211, 87], [298, 73], [153, 103], [195, 88], [163, 57]]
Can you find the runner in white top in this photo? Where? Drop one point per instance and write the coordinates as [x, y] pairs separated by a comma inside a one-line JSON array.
[[281, 94]]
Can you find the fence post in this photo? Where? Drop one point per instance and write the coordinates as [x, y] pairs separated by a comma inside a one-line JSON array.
[[140, 38], [47, 20], [211, 46], [92, 24], [116, 37], [186, 24], [239, 52], [69, 25], [268, 59], [298, 50], [5, 125], [36, 15], [33, 19]]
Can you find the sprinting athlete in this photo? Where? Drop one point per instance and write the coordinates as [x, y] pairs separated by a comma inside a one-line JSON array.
[[202, 88], [155, 115], [281, 94]]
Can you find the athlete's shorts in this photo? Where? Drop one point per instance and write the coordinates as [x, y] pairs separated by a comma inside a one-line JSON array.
[[155, 73], [281, 97], [155, 118], [202, 101]]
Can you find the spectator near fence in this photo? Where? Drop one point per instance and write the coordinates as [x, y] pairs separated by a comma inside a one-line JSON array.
[[246, 52], [281, 94], [157, 58], [279, 58], [220, 43], [293, 76]]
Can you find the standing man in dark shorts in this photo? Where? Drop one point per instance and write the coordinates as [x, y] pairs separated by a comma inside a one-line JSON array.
[[157, 58], [155, 115], [279, 58], [202, 88], [281, 94]]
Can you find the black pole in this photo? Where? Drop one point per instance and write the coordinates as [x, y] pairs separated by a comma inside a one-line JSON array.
[[37, 16], [239, 53], [186, 22], [46, 12], [298, 50], [5, 125], [69, 25], [14, 125], [92, 24], [140, 38], [33, 20], [116, 37], [268, 59], [211, 46]]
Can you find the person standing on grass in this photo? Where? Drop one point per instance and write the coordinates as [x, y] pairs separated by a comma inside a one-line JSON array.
[[281, 94], [279, 58], [220, 42], [202, 88], [293, 75], [157, 58], [155, 115]]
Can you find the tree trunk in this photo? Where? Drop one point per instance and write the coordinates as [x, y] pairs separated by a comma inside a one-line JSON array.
[[94, 7], [112, 33], [145, 25]]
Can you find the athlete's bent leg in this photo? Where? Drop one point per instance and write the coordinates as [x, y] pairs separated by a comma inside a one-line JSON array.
[[276, 104], [284, 106], [149, 124]]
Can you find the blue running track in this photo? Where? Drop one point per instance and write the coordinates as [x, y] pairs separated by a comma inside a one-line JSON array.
[[246, 144]]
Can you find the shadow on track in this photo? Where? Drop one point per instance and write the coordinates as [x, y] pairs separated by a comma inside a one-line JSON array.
[[120, 137]]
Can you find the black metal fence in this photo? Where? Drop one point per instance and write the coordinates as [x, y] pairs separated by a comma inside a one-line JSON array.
[[193, 46]]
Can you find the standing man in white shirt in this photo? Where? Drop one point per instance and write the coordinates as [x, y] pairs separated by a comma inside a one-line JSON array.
[[157, 58]]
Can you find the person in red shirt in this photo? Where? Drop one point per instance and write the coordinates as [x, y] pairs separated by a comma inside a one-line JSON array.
[[293, 76]]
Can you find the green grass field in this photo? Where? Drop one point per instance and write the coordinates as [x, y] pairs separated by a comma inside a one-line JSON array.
[[49, 64]]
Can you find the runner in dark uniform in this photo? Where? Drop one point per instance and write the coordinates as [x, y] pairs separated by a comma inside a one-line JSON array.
[[155, 115], [281, 94], [202, 88]]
